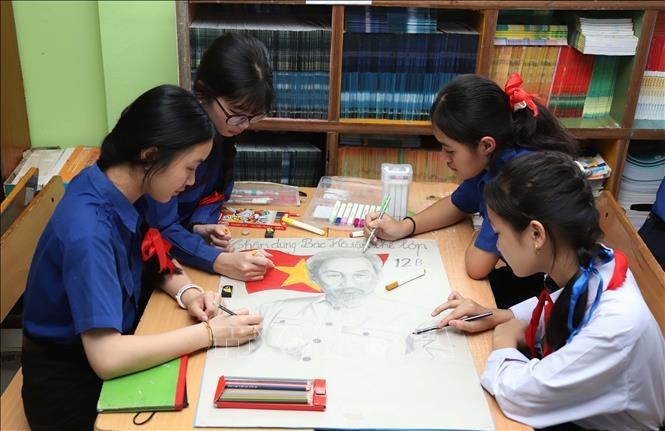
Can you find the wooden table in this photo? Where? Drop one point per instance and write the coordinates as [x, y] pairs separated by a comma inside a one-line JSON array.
[[163, 314]]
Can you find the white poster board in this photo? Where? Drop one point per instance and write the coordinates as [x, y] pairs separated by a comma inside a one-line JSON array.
[[379, 375]]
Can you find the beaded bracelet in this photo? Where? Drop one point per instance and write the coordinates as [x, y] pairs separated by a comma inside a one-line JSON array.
[[414, 225]]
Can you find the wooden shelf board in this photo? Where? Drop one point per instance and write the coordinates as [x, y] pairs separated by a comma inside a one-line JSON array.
[[648, 129], [492, 4]]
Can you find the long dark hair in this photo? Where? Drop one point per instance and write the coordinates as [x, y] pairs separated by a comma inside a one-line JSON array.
[[165, 117], [549, 187], [237, 68], [471, 106]]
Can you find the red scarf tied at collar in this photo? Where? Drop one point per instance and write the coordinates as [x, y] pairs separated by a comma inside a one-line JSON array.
[[519, 98], [154, 244]]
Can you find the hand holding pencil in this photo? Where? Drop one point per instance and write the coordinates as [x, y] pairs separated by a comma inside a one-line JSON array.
[[465, 308], [387, 228]]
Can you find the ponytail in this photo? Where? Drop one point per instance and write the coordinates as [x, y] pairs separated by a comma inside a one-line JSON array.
[[551, 188], [471, 106]]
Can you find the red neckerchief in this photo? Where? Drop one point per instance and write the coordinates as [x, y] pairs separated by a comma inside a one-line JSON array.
[[211, 199], [518, 95], [545, 303], [154, 244]]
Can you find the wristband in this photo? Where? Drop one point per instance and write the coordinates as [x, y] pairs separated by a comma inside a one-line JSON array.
[[414, 225], [183, 289]]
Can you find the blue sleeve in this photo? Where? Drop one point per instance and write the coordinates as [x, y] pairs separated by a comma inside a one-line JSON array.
[[91, 282], [486, 238], [188, 247], [468, 196], [209, 214], [659, 205]]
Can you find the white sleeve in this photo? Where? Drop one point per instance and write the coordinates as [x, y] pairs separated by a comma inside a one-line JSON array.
[[572, 383], [523, 310]]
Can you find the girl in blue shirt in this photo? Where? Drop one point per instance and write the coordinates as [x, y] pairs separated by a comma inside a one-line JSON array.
[[84, 292], [480, 127], [234, 86]]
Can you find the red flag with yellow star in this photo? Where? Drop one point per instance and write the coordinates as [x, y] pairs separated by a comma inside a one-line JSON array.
[[290, 273]]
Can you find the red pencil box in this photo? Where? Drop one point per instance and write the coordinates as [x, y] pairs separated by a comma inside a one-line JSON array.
[[317, 402]]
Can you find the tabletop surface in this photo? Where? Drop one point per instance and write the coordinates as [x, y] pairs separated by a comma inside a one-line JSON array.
[[163, 314]]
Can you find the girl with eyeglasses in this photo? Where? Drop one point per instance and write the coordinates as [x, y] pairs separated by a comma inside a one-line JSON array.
[[234, 86]]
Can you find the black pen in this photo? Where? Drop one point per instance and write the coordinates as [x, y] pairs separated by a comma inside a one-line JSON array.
[[221, 307], [466, 319]]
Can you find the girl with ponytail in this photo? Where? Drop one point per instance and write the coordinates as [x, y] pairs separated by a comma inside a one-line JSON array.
[[84, 293], [481, 127], [588, 350]]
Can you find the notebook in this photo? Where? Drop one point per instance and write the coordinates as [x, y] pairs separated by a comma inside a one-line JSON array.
[[155, 389]]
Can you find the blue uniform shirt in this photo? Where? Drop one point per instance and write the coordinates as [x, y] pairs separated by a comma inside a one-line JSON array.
[[468, 197], [86, 271], [174, 218], [659, 205]]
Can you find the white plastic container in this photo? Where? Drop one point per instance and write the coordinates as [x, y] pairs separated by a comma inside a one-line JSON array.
[[396, 180]]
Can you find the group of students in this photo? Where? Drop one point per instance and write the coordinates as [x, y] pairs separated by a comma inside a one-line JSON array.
[[576, 345]]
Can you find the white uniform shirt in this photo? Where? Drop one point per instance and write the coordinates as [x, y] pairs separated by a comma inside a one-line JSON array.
[[611, 376]]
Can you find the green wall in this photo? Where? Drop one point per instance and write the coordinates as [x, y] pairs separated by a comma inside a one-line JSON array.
[[84, 61]]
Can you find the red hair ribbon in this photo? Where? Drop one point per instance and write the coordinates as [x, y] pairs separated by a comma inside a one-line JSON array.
[[519, 98], [211, 199], [154, 244]]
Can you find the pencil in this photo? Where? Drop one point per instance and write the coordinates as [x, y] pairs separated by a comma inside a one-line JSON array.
[[384, 207], [466, 319], [223, 308], [301, 225]]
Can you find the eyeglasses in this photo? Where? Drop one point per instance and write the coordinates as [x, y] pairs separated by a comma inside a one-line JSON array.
[[239, 120]]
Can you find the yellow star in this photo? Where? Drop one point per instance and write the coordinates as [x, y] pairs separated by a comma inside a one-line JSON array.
[[298, 274]]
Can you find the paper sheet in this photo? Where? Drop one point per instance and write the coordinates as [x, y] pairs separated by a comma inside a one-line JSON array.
[[379, 375]]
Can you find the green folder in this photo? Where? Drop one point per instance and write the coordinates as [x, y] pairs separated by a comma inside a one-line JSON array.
[[157, 388]]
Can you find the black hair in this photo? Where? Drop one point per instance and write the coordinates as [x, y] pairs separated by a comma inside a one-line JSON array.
[[167, 118], [550, 187], [237, 68], [471, 106]]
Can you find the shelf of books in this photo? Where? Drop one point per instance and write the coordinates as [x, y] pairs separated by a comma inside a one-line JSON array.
[[359, 75], [650, 111]]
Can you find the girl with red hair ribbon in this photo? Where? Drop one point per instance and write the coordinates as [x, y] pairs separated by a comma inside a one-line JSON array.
[[481, 127]]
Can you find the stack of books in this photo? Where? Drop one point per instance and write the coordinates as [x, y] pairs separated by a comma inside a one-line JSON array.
[[571, 83], [395, 61], [299, 48], [596, 171], [528, 42], [604, 36], [278, 160], [642, 174], [651, 102], [520, 27]]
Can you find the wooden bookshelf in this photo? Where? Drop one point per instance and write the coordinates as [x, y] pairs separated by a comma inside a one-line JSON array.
[[609, 135]]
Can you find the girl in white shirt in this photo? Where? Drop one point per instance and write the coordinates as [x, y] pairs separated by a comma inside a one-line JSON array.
[[588, 351]]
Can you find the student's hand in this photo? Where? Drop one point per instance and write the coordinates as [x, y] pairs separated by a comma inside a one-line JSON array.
[[235, 330], [462, 307], [246, 266], [510, 334], [217, 235], [387, 228], [201, 306]]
